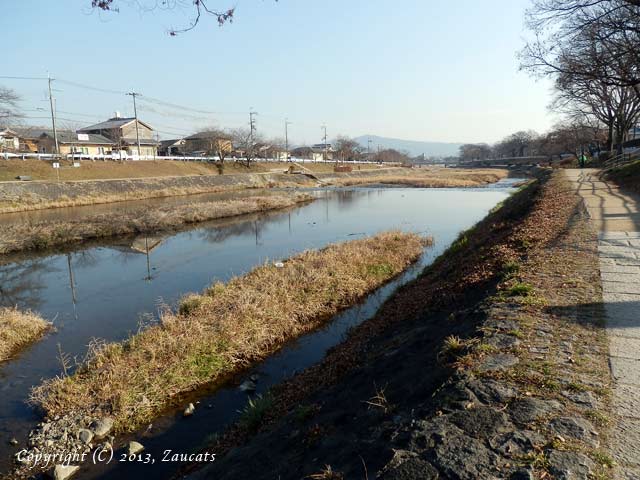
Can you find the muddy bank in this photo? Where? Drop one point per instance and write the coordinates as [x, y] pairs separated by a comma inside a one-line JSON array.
[[45, 235], [492, 364]]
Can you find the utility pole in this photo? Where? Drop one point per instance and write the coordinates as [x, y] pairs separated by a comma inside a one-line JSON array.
[[135, 113], [369, 148], [324, 127], [286, 140], [53, 118], [252, 127]]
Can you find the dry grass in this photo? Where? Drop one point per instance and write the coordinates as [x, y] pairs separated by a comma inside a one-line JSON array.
[[34, 236], [430, 178], [225, 329], [102, 170], [19, 329]]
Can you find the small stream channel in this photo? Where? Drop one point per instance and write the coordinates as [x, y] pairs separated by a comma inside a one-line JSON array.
[[104, 291]]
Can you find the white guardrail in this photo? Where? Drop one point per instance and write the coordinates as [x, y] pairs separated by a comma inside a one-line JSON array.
[[79, 156]]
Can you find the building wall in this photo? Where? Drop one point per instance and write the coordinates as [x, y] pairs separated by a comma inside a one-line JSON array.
[[9, 143], [47, 145], [129, 131]]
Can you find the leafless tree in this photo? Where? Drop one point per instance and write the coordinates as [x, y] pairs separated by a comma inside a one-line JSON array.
[[245, 142], [201, 9], [588, 39], [347, 148], [594, 102], [475, 151], [9, 106], [519, 144]]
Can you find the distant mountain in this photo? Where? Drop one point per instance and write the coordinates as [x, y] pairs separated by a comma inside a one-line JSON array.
[[415, 148]]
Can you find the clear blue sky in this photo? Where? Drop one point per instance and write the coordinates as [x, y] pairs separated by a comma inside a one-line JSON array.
[[411, 69]]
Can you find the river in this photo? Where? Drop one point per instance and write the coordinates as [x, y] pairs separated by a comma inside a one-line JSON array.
[[108, 290]]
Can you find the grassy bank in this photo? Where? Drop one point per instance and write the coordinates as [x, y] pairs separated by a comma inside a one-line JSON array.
[[226, 328], [627, 177], [101, 170], [430, 178], [19, 329], [41, 235]]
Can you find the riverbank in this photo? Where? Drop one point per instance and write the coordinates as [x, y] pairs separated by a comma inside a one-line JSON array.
[[626, 177], [18, 329], [26, 196], [216, 333], [491, 364], [110, 169], [43, 235], [428, 178]]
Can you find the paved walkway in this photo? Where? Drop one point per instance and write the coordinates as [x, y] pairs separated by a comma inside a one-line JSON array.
[[617, 218]]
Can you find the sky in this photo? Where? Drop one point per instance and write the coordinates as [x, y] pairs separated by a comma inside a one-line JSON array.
[[411, 69]]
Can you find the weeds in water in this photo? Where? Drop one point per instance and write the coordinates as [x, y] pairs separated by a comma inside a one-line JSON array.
[[254, 412]]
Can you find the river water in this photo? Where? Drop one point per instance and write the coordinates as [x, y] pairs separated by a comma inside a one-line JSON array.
[[107, 290]]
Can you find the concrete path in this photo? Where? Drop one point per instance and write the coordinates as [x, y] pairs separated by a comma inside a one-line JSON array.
[[616, 216]]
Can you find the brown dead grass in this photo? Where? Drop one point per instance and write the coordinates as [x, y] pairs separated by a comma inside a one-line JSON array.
[[19, 329], [41, 235], [226, 328], [430, 178], [102, 170]]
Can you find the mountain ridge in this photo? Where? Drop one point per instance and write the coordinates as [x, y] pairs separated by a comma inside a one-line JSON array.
[[414, 147]]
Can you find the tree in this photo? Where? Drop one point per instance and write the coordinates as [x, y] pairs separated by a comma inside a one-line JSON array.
[[475, 151], [202, 8], [347, 148], [588, 39], [570, 137], [245, 141], [519, 144], [9, 108]]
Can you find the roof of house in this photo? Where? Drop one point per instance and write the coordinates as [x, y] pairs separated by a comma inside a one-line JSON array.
[[171, 143], [67, 136], [30, 132], [112, 123], [7, 131], [208, 134]]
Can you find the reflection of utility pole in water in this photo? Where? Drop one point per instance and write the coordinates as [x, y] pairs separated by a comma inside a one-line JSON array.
[[326, 196], [289, 223], [257, 232], [72, 284], [146, 248]]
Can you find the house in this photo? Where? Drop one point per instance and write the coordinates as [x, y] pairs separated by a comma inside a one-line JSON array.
[[86, 144], [172, 147], [124, 133], [9, 140], [209, 142], [28, 138], [320, 150]]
